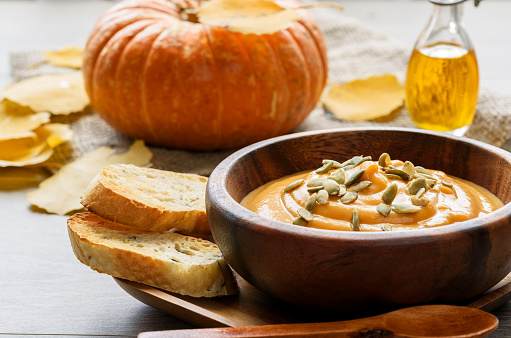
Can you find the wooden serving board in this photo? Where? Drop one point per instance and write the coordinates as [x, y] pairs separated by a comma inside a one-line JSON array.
[[252, 307]]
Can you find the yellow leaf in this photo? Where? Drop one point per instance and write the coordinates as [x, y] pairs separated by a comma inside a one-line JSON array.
[[365, 99], [247, 16], [36, 149], [59, 94], [19, 123], [60, 194], [70, 57], [18, 178]]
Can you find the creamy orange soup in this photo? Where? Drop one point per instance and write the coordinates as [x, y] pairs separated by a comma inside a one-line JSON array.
[[371, 195]]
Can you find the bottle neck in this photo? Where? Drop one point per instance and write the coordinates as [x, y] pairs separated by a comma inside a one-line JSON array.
[[447, 15]]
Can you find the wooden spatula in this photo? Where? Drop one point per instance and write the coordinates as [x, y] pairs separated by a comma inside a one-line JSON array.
[[418, 321]]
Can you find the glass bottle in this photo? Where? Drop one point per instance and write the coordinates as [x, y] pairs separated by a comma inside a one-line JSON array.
[[442, 82]]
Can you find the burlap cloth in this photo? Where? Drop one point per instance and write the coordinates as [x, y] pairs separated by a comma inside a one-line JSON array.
[[354, 51]]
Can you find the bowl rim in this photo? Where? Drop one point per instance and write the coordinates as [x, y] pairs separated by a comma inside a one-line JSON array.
[[217, 194]]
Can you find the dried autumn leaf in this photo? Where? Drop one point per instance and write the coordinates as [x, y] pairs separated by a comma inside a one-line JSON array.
[[70, 57], [58, 94], [60, 194], [365, 99], [36, 149], [19, 122], [18, 178], [247, 16]]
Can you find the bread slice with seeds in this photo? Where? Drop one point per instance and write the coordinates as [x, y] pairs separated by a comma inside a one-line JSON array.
[[170, 261], [149, 199]]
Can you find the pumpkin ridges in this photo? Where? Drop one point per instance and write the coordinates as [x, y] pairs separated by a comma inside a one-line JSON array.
[[307, 82], [317, 37], [133, 56], [101, 76], [283, 91], [313, 64]]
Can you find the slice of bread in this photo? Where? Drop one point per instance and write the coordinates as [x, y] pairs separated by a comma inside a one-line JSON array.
[[149, 199], [170, 261]]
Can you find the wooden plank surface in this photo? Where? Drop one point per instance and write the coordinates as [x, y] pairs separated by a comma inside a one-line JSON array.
[[43, 290]]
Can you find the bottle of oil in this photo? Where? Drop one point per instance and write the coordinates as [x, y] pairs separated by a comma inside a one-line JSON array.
[[442, 82]]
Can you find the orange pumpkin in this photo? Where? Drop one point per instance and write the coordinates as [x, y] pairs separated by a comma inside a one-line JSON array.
[[155, 73]]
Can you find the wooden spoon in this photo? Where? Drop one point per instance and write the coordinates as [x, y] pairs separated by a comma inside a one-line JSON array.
[[418, 321]]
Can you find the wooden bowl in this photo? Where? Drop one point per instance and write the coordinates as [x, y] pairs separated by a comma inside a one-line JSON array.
[[359, 270]]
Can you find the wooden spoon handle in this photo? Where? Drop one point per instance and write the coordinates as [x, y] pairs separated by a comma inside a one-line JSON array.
[[419, 321]]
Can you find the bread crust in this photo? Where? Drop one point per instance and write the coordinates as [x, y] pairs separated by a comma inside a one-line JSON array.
[[209, 279], [109, 201]]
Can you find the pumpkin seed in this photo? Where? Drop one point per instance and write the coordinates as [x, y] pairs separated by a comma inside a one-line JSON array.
[[409, 168], [395, 171], [331, 186], [386, 227], [335, 164], [423, 175], [355, 220], [314, 189], [311, 202], [322, 197], [422, 170], [348, 167], [353, 177], [421, 192], [384, 209], [360, 186], [349, 197], [324, 168], [393, 177], [293, 185], [389, 193], [451, 186], [384, 160], [357, 160], [420, 201], [305, 214], [405, 208], [342, 190], [430, 183], [315, 182], [300, 221], [415, 185], [339, 175]]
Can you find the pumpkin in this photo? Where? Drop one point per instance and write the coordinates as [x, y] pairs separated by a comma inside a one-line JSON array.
[[154, 72]]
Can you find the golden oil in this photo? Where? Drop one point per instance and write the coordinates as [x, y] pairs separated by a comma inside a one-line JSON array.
[[442, 86]]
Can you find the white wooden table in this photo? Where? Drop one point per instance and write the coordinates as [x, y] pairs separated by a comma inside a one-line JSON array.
[[43, 289]]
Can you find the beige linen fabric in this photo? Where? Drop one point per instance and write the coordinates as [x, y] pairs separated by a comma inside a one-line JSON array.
[[354, 51]]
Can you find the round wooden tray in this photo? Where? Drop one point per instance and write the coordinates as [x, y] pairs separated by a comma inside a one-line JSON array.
[[252, 307]]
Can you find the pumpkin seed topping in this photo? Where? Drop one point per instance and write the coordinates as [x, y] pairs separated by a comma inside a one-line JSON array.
[[415, 185], [451, 186], [393, 177], [324, 168], [305, 214], [339, 175], [396, 171], [419, 201], [422, 170], [421, 192], [342, 190], [311, 202], [355, 220], [354, 177], [331, 186], [322, 197], [357, 160], [409, 168], [384, 209], [389, 193], [300, 221], [349, 197], [405, 208], [430, 183], [384, 160], [335, 164], [293, 185], [315, 188], [423, 175], [360, 186], [315, 182]]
